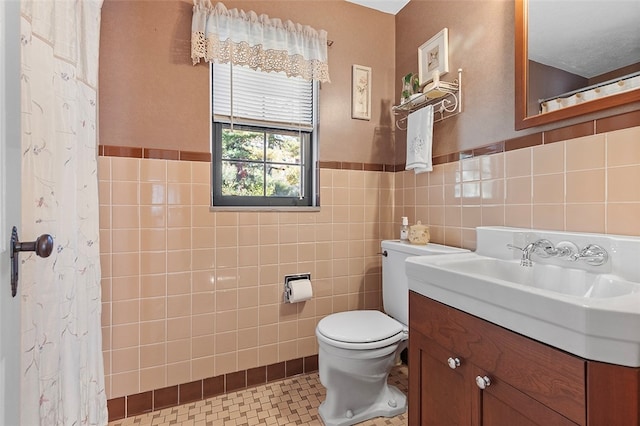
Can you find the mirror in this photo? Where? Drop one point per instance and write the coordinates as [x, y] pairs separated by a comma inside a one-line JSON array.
[[550, 59]]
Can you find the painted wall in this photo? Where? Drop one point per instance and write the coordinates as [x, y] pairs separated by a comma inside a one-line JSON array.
[[152, 96]]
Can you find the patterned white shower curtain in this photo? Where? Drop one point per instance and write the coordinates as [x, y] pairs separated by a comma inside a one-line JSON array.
[[62, 373]]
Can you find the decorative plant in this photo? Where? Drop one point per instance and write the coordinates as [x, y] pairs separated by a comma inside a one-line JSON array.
[[410, 85]]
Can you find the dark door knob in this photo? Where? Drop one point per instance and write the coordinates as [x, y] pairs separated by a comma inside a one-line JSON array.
[[43, 246]]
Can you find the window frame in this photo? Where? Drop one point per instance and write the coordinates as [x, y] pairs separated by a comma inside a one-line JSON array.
[[310, 174]]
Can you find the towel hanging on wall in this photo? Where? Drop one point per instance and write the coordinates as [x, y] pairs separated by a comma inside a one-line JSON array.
[[419, 140]]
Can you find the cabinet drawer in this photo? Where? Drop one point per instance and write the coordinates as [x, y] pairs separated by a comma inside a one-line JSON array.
[[551, 376]]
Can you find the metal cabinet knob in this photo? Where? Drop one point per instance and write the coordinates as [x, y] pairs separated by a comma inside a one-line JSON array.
[[453, 363], [483, 382]]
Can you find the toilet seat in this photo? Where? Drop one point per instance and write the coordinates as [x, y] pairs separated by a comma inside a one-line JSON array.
[[360, 330]]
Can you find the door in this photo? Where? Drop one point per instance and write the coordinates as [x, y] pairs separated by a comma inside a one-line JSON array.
[[9, 208]]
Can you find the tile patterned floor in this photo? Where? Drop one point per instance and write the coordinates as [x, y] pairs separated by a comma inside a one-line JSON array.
[[293, 401]]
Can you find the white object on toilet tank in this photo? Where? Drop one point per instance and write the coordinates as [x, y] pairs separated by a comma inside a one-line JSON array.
[[395, 285]]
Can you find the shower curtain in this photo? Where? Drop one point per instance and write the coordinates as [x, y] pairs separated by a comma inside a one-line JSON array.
[[62, 377]]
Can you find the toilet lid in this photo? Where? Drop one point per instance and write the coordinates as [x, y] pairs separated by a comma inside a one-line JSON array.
[[359, 326]]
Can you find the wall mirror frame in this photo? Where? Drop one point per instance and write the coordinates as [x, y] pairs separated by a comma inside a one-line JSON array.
[[522, 120]]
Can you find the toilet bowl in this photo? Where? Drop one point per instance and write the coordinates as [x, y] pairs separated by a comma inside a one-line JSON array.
[[357, 349]]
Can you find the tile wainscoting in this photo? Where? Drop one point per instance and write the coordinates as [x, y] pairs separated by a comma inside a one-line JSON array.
[[192, 298]]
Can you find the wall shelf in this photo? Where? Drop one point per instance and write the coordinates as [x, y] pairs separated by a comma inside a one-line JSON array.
[[446, 98]]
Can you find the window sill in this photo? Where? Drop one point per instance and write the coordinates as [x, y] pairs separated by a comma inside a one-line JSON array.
[[263, 209]]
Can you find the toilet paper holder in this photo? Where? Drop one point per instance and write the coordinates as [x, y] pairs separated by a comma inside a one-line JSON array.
[[287, 283]]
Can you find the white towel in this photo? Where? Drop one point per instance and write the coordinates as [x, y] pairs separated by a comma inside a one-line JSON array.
[[419, 140]]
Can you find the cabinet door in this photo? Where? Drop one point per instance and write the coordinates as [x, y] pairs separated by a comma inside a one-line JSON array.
[[438, 394], [504, 405]]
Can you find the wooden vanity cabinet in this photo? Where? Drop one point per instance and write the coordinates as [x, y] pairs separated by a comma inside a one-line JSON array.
[[530, 383]]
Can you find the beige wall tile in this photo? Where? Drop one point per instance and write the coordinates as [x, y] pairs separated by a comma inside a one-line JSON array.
[[202, 346], [586, 186], [123, 384], [178, 328], [586, 153], [622, 218], [548, 158], [152, 332], [153, 239], [178, 373], [125, 336], [153, 262], [492, 166], [153, 378], [518, 163], [493, 215], [153, 170], [518, 190], [203, 368], [153, 308], [202, 237], [153, 355], [104, 168], [248, 317], [125, 169], [586, 218], [548, 188], [125, 288], [153, 193], [471, 217], [470, 169], [203, 324], [201, 172], [548, 216], [123, 360], [622, 183], [179, 238], [178, 350], [518, 215], [226, 321], [178, 216], [125, 217], [623, 148], [151, 216], [179, 171]]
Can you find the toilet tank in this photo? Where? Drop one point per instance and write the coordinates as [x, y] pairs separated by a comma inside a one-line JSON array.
[[395, 285]]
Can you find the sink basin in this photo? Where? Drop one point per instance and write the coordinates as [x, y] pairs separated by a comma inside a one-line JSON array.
[[553, 278], [590, 311]]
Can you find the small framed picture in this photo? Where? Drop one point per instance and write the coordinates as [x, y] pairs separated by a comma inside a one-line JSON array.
[[361, 92], [433, 57]]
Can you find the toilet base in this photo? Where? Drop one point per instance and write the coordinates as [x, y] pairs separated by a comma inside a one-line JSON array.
[[381, 408]]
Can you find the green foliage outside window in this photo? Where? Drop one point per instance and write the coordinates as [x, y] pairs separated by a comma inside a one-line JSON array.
[[261, 163]]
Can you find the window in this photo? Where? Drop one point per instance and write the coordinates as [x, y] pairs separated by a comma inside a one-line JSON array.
[[264, 140]]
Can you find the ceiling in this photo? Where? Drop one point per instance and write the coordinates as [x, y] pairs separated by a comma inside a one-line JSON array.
[[584, 37], [387, 6]]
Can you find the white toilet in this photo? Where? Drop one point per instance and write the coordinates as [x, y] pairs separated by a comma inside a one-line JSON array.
[[358, 348]]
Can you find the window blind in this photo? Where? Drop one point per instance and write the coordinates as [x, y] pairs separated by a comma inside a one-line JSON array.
[[269, 99]]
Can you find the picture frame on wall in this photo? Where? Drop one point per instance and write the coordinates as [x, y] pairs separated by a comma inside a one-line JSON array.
[[361, 92], [433, 56]]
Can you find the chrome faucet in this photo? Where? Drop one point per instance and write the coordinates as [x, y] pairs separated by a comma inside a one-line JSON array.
[[543, 247], [592, 254]]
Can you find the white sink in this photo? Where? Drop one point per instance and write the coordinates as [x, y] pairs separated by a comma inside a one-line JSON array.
[[590, 311]]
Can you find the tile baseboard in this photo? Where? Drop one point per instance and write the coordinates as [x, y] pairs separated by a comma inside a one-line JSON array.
[[171, 396]]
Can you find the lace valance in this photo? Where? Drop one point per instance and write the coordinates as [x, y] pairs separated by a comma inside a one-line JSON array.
[[257, 41]]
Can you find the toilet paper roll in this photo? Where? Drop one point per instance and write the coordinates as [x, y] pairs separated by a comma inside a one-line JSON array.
[[299, 291]]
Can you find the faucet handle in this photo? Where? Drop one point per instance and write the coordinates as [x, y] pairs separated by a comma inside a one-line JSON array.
[[592, 254], [545, 248]]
